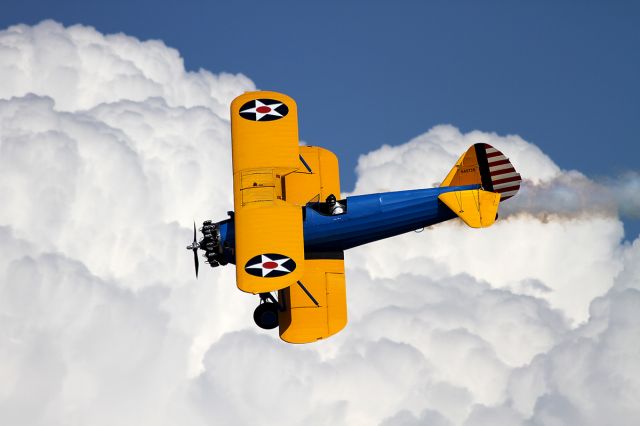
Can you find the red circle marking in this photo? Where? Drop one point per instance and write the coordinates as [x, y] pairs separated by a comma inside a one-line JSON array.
[[269, 265], [263, 109]]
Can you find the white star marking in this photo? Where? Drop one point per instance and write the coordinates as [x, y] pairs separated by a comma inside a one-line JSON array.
[[265, 259], [259, 115]]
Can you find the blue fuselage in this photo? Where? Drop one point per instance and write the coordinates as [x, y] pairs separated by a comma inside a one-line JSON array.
[[367, 218]]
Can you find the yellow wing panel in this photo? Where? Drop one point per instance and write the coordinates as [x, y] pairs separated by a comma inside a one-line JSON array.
[[477, 208], [265, 237], [268, 231], [264, 130], [315, 181], [304, 321]]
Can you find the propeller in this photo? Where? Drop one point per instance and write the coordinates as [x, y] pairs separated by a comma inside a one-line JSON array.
[[194, 246]]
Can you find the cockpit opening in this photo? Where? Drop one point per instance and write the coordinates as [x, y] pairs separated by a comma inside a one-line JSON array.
[[330, 207]]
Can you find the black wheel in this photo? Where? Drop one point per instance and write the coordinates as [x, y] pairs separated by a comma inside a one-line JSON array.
[[266, 315]]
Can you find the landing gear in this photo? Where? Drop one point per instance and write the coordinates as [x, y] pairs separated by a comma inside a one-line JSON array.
[[266, 315]]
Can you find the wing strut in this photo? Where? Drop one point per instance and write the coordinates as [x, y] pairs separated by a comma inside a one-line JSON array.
[[306, 166], [313, 299]]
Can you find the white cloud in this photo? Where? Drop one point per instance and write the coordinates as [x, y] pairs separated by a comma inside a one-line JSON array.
[[108, 148], [81, 68], [561, 230], [426, 160]]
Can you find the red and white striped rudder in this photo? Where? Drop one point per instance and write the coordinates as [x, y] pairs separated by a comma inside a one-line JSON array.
[[497, 172]]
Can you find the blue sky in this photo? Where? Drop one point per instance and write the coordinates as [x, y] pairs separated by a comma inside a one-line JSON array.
[[563, 75]]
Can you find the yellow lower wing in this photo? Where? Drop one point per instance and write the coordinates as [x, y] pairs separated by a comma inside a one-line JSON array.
[[316, 306], [477, 208], [318, 177]]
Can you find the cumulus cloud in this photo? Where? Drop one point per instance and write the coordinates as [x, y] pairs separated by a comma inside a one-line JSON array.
[[426, 159], [81, 68], [108, 148], [558, 240], [547, 190]]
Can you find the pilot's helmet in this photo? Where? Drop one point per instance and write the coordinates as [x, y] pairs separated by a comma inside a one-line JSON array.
[[331, 199]]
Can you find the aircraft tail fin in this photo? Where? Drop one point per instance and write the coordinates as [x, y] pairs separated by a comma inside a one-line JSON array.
[[483, 164]]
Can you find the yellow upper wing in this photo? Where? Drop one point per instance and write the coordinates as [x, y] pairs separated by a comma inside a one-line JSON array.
[[268, 230]]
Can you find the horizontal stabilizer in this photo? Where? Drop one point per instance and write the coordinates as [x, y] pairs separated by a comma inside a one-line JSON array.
[[476, 207]]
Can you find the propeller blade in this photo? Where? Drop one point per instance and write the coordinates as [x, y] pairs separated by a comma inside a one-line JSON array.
[[194, 247], [194, 231], [195, 259]]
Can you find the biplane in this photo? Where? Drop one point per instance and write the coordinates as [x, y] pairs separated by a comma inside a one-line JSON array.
[[290, 228]]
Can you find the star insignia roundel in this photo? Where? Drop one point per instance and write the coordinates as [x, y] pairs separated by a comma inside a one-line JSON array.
[[270, 265], [263, 110]]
